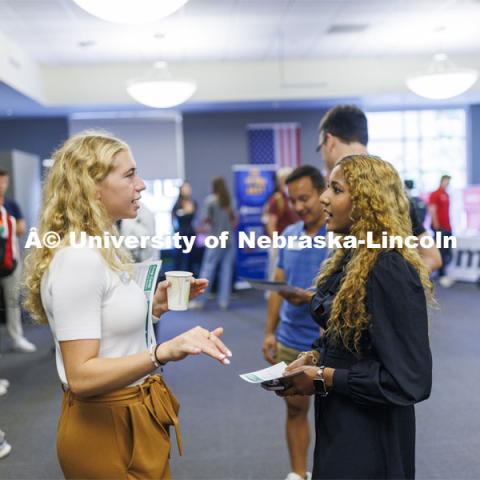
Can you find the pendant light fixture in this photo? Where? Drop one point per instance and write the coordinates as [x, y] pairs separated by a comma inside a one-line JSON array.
[[132, 12], [159, 89], [442, 79]]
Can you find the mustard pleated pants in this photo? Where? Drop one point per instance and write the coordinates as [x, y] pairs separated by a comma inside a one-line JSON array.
[[120, 435]]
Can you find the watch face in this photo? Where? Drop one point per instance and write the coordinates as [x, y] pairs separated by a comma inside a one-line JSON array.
[[320, 388]]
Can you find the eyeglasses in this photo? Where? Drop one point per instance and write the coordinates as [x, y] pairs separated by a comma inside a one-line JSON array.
[[321, 144]]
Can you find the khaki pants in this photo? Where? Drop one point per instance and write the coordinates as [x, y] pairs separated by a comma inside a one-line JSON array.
[[286, 354], [120, 435]]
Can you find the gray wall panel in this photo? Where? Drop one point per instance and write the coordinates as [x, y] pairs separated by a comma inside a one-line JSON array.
[[214, 142]]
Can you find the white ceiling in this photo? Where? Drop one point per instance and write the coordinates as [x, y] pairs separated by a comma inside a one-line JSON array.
[[238, 51], [50, 31]]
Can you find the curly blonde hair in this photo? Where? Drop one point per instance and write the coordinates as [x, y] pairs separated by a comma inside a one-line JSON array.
[[71, 204], [379, 204]]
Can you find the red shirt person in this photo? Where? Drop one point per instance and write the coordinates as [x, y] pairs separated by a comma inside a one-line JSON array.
[[280, 213], [439, 203], [439, 208]]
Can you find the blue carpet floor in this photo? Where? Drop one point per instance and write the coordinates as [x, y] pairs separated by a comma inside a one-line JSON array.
[[234, 430]]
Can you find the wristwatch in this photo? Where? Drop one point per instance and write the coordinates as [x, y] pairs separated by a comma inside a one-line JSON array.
[[319, 383]]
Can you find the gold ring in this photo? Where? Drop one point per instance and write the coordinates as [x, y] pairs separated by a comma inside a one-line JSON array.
[[208, 336]]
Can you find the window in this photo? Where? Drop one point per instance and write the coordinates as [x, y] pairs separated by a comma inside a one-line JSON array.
[[422, 144], [159, 197]]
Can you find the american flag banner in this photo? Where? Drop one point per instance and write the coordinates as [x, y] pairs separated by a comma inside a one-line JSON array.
[[274, 143]]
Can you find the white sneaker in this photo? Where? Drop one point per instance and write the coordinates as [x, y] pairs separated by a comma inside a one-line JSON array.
[[5, 448], [3, 390], [23, 345], [4, 382], [446, 282], [296, 476]]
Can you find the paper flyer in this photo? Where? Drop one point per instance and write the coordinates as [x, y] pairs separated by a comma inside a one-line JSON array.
[[269, 373]]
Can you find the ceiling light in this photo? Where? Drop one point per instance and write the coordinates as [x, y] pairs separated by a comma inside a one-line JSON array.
[[346, 28], [158, 88], [86, 43], [131, 11], [442, 79]]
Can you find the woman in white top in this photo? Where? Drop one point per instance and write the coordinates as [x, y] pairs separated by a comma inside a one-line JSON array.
[[115, 414]]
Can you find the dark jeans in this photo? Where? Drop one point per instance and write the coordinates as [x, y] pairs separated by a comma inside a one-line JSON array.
[[446, 252], [189, 262]]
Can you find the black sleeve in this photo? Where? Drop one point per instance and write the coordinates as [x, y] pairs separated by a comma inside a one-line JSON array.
[[400, 370], [417, 227]]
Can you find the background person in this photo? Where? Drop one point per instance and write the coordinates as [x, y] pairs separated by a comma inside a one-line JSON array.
[[11, 283], [290, 329], [141, 226], [343, 131], [416, 202], [439, 209], [183, 216], [115, 414], [219, 216], [279, 214], [375, 361]]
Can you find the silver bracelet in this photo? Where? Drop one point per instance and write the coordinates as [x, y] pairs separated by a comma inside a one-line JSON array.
[[152, 356]]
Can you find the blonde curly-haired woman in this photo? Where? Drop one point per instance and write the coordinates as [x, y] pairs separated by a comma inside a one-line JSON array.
[[374, 362], [116, 412]]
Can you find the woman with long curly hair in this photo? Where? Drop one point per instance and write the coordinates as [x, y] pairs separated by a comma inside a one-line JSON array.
[[116, 412], [373, 362]]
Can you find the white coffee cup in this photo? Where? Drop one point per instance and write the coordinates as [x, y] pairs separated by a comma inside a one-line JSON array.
[[178, 293]]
